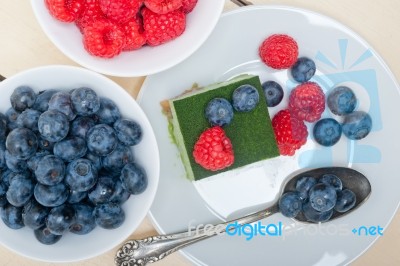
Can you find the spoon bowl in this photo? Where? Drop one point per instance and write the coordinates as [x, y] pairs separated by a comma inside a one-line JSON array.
[[351, 179]]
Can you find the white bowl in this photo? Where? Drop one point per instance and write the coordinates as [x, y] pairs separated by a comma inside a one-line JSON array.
[[145, 61], [73, 247]]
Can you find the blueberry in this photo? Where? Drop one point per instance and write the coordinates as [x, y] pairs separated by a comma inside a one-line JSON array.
[[128, 132], [84, 219], [20, 190], [14, 164], [357, 125], [76, 196], [81, 125], [332, 180], [85, 101], [44, 236], [113, 174], [34, 215], [50, 170], [3, 164], [29, 119], [273, 93], [34, 160], [120, 194], [219, 112], [44, 144], [51, 196], [346, 199], [117, 159], [60, 219], [327, 132], [341, 100], [12, 116], [42, 100], [109, 215], [322, 197], [12, 216], [81, 175], [3, 190], [134, 178], [3, 127], [21, 143], [53, 125], [108, 112], [61, 101], [22, 97], [70, 149], [303, 70], [96, 160], [304, 184], [245, 98], [102, 191], [315, 216], [101, 139], [290, 204], [6, 176]]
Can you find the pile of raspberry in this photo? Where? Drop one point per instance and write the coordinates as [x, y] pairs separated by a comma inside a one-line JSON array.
[[112, 26], [306, 101]]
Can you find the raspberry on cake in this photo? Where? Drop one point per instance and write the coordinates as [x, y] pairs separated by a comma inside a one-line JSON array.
[[213, 150], [250, 133]]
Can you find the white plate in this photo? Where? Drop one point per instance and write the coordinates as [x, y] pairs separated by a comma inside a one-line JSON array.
[[342, 57], [147, 60], [73, 247]]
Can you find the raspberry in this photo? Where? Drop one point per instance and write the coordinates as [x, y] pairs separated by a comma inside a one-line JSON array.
[[213, 150], [103, 38], [160, 29], [162, 6], [134, 37], [65, 10], [120, 11], [290, 133], [188, 5], [307, 102], [91, 12], [279, 51]]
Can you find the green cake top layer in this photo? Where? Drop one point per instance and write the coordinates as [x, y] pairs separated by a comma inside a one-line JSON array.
[[251, 133]]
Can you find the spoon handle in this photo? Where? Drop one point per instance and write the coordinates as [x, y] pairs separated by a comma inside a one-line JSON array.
[[155, 248]]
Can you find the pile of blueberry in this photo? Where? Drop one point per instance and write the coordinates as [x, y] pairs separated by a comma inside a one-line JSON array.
[[356, 125], [317, 199], [219, 111], [66, 163]]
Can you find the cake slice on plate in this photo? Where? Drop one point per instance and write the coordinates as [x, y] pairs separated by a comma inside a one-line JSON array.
[[250, 133]]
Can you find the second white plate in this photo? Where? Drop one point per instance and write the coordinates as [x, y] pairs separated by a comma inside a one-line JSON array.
[[342, 58]]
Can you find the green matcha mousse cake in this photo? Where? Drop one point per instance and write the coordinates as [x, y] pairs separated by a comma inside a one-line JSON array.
[[251, 133]]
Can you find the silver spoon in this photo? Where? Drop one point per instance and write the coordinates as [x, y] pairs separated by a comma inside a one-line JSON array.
[[155, 248]]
